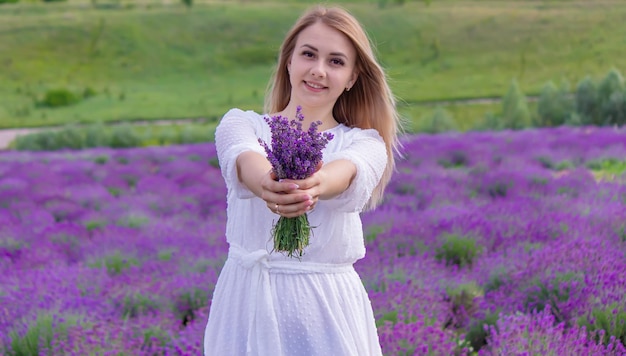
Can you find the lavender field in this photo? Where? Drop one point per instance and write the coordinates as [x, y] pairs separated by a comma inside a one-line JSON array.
[[508, 243]]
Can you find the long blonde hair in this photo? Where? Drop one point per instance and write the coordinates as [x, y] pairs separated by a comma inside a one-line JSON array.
[[369, 104]]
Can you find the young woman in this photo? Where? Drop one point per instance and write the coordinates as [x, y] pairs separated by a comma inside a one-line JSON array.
[[266, 303]]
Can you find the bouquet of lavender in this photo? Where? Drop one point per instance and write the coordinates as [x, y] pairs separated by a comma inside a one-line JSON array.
[[294, 154]]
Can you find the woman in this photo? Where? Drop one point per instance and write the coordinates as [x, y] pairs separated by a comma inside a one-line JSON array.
[[266, 303]]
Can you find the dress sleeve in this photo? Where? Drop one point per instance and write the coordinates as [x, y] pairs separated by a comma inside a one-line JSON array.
[[236, 133], [368, 153]]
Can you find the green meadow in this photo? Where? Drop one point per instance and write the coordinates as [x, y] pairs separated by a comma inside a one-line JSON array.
[[154, 60]]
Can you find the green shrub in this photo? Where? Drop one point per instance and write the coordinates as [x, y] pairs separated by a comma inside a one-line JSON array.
[[439, 121], [155, 335], [515, 113], [188, 3], [491, 122], [88, 92], [454, 159], [39, 335], [497, 278], [189, 302], [462, 300], [59, 97], [587, 106], [602, 104], [457, 250], [214, 162], [119, 136], [8, 1], [115, 263], [97, 136], [123, 136], [611, 99], [137, 304], [611, 319], [476, 334], [554, 107], [552, 293], [373, 231], [69, 137]]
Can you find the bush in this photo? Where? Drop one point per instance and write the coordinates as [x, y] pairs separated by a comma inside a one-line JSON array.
[[515, 113], [555, 106], [120, 136], [553, 293], [439, 121], [69, 137], [491, 122], [457, 250], [463, 304], [612, 100], [40, 334], [123, 137], [8, 1], [88, 92], [59, 97], [604, 104], [611, 319], [97, 136], [587, 106]]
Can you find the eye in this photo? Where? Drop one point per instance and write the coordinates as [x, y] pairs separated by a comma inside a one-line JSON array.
[[337, 61], [308, 54]]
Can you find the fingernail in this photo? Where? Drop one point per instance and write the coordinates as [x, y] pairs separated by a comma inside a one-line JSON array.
[[295, 186]]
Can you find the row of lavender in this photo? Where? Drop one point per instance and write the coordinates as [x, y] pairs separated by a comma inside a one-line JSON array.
[[489, 243]]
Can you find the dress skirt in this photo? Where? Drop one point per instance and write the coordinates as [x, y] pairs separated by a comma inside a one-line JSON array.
[[291, 308]]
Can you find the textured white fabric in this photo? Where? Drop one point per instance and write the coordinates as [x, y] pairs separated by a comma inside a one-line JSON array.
[[268, 304]]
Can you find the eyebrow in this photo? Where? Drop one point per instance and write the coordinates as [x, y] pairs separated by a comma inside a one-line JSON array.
[[332, 53]]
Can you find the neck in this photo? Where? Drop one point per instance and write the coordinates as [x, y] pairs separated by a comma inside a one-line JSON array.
[[312, 114]]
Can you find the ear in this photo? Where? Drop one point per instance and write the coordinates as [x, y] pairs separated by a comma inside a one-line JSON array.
[[352, 80]]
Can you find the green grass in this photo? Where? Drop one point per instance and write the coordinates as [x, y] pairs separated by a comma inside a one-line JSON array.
[[146, 60]]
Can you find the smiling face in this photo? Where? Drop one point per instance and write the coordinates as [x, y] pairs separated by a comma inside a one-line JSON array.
[[321, 66]]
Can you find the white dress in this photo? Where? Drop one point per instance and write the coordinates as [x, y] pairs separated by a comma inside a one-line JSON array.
[[268, 304]]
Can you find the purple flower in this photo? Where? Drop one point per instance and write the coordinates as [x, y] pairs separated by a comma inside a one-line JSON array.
[[294, 154]]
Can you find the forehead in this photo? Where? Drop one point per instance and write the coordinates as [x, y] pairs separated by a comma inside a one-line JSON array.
[[325, 39]]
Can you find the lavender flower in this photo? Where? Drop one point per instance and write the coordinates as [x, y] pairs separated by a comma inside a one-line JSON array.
[[294, 154]]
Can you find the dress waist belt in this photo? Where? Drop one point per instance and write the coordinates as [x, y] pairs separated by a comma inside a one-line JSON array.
[[263, 331]]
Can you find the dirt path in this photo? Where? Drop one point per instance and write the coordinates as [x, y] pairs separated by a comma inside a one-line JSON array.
[[8, 135]]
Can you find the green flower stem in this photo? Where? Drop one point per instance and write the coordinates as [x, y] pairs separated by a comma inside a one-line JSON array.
[[291, 235]]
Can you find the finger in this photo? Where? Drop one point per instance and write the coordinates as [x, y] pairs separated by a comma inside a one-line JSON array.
[[294, 210], [307, 183], [289, 203], [284, 186]]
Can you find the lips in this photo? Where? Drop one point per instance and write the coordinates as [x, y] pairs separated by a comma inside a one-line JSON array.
[[314, 85]]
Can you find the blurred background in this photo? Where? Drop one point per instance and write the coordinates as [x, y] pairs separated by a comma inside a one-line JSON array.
[[156, 72]]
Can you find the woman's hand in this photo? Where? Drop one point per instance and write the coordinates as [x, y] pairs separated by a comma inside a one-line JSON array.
[[286, 197], [291, 198]]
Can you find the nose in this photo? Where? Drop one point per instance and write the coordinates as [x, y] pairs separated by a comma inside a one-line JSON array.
[[318, 70]]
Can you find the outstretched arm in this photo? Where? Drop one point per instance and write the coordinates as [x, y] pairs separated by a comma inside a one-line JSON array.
[[255, 172]]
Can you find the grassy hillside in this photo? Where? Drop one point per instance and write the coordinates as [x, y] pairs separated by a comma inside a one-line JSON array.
[[153, 61]]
